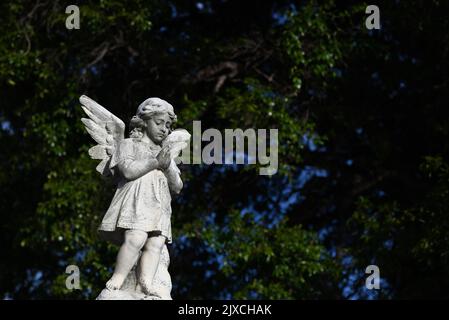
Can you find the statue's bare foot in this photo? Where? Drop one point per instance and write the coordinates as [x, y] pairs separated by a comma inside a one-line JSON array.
[[114, 283]]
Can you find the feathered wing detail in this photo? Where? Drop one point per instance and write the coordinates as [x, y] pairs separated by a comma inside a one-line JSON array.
[[106, 129], [177, 140]]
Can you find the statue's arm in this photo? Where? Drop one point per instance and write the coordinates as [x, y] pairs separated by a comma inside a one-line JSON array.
[[173, 177], [130, 167], [134, 169]]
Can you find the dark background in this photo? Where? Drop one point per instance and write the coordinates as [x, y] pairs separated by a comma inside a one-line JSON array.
[[363, 131]]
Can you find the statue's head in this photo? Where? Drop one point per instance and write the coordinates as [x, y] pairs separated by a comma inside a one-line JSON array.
[[154, 117]]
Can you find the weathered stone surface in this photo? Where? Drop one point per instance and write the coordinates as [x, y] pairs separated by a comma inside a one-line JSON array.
[[146, 174]]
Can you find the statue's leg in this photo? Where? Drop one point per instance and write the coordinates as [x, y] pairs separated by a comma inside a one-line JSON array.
[[149, 262], [127, 256]]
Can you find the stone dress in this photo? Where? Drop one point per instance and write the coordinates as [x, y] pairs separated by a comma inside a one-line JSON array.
[[140, 204]]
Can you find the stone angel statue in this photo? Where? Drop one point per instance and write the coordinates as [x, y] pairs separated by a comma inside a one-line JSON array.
[[139, 216]]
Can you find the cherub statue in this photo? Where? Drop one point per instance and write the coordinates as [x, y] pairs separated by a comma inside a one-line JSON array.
[[143, 166]]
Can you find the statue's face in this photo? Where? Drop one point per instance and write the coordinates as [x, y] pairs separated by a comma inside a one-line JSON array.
[[158, 127]]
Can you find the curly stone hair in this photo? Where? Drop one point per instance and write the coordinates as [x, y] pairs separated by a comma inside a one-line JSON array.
[[146, 111]]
